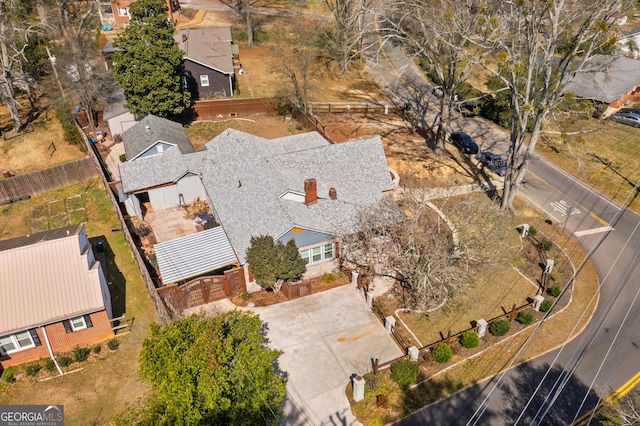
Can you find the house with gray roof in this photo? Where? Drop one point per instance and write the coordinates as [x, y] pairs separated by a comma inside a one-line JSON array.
[[154, 135], [208, 61], [606, 78], [297, 187]]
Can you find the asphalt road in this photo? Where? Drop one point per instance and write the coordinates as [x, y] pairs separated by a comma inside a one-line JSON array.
[[607, 353]]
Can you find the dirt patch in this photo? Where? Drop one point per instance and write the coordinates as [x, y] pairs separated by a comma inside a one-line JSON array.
[[268, 126], [406, 150], [40, 147]]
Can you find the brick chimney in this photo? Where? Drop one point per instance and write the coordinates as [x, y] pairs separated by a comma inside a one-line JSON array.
[[333, 194], [310, 191]]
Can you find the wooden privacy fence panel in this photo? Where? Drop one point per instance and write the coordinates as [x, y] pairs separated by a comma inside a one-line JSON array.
[[31, 184], [203, 290], [212, 109]]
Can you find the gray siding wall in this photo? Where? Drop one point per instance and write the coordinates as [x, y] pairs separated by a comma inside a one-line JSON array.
[[190, 187], [306, 238], [218, 81]]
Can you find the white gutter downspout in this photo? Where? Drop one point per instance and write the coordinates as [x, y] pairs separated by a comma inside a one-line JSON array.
[[46, 339]]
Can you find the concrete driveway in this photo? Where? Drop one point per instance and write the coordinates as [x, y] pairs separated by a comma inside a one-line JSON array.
[[324, 339]]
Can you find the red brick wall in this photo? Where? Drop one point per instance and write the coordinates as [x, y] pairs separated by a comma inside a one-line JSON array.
[[61, 341]]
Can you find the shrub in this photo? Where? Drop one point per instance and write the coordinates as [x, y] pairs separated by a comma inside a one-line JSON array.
[[245, 295], [49, 365], [404, 372], [123, 158], [80, 354], [555, 276], [113, 344], [64, 361], [547, 245], [96, 349], [32, 369], [525, 317], [555, 290], [442, 353], [69, 129], [470, 339], [328, 277], [532, 231], [545, 306], [9, 374], [499, 327]]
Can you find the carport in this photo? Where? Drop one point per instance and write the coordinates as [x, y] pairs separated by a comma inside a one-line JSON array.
[[193, 255]]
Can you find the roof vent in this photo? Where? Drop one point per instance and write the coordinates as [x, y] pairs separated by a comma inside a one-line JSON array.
[[333, 194], [147, 128], [184, 37]]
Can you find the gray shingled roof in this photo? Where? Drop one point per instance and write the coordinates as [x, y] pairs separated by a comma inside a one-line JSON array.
[[245, 176], [210, 47], [152, 129], [605, 78]]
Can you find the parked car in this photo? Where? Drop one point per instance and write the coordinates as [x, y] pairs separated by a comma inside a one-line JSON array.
[[494, 162], [464, 142], [627, 118], [631, 110]]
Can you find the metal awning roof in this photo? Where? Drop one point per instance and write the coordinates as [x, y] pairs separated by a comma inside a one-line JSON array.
[[194, 255]]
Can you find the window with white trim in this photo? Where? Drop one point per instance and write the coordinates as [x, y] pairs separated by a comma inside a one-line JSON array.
[[317, 254], [78, 323], [204, 80], [123, 11], [16, 342]]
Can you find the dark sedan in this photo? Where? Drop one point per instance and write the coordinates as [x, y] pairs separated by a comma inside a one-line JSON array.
[[464, 142]]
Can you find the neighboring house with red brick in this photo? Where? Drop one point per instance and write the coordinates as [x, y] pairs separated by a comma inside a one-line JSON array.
[[53, 295], [114, 14]]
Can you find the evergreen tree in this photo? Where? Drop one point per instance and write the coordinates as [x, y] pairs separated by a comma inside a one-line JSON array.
[[148, 65], [272, 264]]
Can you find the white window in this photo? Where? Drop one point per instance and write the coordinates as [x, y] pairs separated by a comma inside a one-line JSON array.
[[78, 323], [204, 80], [317, 254], [16, 342], [123, 11]]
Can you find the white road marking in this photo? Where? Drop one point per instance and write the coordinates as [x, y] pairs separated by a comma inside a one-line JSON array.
[[563, 207], [593, 231]]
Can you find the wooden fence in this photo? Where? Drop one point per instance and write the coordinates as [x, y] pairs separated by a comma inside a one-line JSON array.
[[24, 186], [162, 309], [510, 316], [212, 109], [203, 290]]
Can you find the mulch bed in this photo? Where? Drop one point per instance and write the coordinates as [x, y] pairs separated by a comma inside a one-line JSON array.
[[268, 297]]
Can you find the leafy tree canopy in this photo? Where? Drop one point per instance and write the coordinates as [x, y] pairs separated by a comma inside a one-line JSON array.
[[274, 263], [209, 371], [148, 64]]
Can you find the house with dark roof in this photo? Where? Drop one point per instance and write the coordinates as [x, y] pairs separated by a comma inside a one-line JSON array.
[[607, 79], [53, 295], [299, 188], [208, 61]]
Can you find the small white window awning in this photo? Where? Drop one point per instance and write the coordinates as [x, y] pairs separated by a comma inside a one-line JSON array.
[[194, 255]]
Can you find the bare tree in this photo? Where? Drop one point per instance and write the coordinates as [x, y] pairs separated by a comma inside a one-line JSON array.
[[86, 82], [433, 251], [623, 412], [244, 10], [537, 48], [350, 27], [295, 59], [437, 32]]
